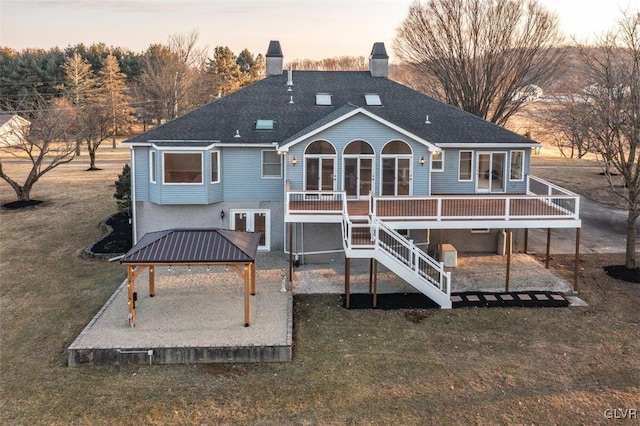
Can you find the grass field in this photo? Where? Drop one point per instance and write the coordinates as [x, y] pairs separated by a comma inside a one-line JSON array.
[[463, 366]]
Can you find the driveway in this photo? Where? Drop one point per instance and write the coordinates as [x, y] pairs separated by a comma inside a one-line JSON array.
[[603, 231]]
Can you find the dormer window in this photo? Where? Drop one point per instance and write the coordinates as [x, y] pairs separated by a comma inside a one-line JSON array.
[[323, 99], [264, 124], [372, 99]]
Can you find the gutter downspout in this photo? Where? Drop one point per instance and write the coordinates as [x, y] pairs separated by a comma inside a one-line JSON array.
[[134, 227]]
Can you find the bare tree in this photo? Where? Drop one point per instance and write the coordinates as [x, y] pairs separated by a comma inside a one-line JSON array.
[[614, 114], [338, 63], [482, 53], [43, 142], [173, 77]]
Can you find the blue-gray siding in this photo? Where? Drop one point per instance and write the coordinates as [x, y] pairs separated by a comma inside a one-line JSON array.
[[361, 127]]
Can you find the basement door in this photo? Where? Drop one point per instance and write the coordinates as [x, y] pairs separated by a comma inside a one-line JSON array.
[[253, 221]]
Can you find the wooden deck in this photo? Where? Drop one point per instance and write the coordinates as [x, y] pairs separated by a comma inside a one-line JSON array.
[[442, 208]]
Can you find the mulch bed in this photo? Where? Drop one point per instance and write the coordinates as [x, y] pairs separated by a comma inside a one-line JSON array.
[[619, 272], [459, 300], [119, 240]]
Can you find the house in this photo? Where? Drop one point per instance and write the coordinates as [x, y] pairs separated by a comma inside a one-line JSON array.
[[12, 128], [328, 162]]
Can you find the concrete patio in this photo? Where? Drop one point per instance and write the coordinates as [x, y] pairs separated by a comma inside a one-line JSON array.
[[196, 315]]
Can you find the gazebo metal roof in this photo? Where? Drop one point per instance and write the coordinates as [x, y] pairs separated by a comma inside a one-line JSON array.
[[194, 246], [236, 249]]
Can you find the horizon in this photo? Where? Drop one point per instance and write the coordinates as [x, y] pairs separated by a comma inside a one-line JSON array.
[[339, 28]]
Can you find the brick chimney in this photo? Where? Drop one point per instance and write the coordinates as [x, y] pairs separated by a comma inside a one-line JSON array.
[[379, 61], [274, 59]]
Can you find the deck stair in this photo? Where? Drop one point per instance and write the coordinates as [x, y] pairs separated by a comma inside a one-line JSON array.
[[373, 239]]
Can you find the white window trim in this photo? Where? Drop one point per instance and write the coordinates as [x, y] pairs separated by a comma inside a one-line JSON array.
[[153, 166], [267, 234], [217, 153], [183, 183], [521, 166], [471, 174], [441, 169], [262, 164]]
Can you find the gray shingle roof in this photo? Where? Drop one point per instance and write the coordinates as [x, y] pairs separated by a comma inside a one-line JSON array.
[[269, 99], [194, 246]]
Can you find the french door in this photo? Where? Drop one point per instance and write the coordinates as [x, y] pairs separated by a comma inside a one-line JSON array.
[[320, 173], [253, 221], [358, 176], [396, 175], [491, 171]]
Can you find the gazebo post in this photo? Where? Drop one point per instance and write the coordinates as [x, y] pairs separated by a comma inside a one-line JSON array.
[[130, 289], [152, 281], [253, 278], [247, 307]]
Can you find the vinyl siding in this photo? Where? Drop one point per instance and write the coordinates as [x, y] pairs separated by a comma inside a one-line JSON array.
[[242, 177], [360, 127], [446, 182]]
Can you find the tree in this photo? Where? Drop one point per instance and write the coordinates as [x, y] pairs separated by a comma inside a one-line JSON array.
[[114, 97], [173, 78], [229, 73], [481, 53], [104, 110], [225, 71], [79, 85], [123, 190], [613, 114], [43, 143]]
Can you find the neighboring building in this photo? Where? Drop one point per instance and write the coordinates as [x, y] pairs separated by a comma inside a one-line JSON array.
[[339, 157], [12, 128]]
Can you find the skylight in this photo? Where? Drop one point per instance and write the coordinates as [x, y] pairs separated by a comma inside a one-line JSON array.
[[323, 99], [372, 99], [264, 125]]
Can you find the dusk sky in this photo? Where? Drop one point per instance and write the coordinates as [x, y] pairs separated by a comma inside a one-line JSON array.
[[312, 29]]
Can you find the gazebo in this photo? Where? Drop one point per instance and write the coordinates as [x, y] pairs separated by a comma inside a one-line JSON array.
[[193, 247]]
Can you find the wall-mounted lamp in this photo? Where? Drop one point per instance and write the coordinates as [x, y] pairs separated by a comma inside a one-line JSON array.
[[294, 161], [222, 214], [422, 160]]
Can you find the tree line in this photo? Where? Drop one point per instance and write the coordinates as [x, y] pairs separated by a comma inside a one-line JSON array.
[[158, 84]]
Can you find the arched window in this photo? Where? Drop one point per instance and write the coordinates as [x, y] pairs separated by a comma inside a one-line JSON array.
[[358, 147], [320, 147], [397, 147]]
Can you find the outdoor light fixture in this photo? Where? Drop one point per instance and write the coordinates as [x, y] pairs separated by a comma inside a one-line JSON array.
[[169, 268], [294, 161], [222, 214], [422, 161]]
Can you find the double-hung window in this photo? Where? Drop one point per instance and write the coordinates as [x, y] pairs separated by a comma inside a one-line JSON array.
[[437, 161], [152, 166], [516, 165], [271, 165]]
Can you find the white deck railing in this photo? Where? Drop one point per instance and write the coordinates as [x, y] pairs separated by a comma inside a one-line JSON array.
[[377, 236], [543, 201]]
